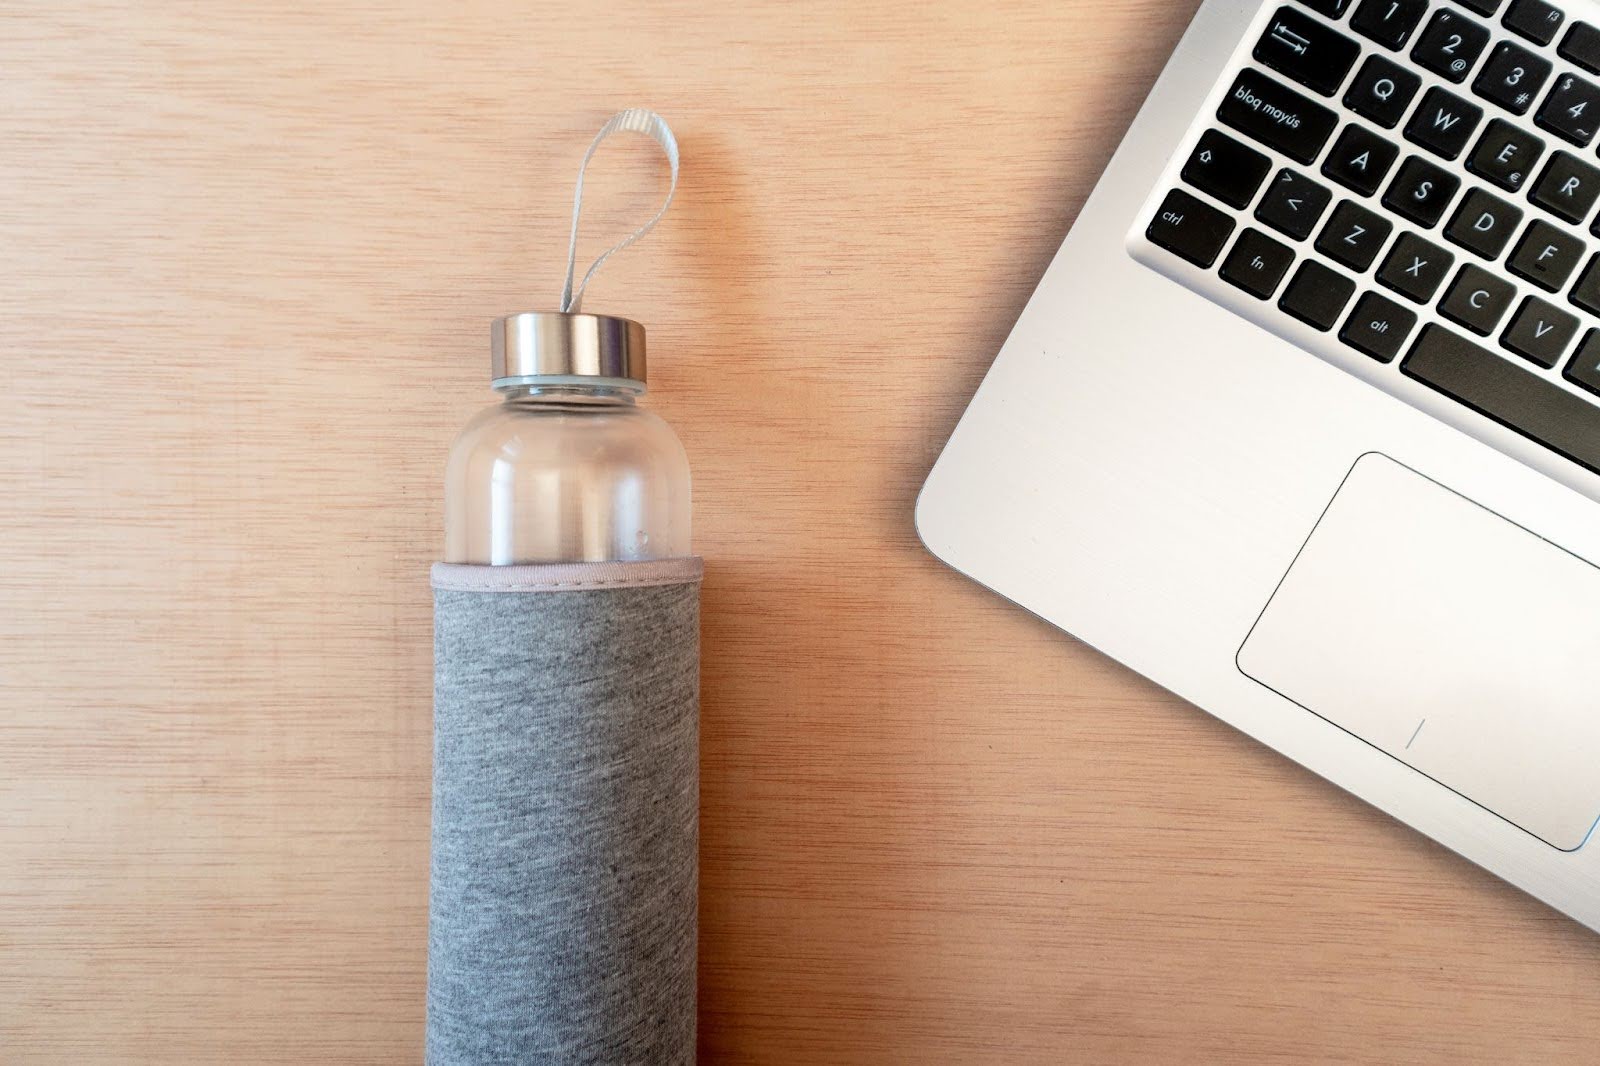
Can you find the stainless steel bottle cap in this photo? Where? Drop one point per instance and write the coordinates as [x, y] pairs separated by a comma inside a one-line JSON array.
[[554, 348]]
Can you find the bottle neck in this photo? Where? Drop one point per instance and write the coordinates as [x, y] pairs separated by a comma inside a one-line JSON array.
[[568, 395]]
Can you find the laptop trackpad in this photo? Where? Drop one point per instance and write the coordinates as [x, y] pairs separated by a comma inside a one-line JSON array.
[[1451, 638]]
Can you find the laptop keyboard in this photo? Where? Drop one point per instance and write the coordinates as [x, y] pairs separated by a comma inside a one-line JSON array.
[[1417, 182]]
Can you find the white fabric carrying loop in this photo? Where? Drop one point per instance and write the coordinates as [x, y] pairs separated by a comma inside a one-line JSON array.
[[633, 120]]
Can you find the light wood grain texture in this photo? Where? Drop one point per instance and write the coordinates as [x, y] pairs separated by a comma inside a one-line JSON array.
[[250, 252]]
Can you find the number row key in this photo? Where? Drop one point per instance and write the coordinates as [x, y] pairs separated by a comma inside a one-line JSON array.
[[1512, 77], [1571, 110], [1450, 44]]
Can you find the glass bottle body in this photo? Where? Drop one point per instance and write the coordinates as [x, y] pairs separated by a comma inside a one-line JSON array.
[[566, 473]]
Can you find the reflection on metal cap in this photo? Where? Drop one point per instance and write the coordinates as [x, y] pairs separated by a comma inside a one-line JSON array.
[[549, 347]]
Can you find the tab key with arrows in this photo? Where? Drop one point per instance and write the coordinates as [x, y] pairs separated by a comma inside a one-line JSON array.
[[1300, 47]]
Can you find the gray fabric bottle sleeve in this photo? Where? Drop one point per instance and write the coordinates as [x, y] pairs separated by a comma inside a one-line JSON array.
[[562, 916]]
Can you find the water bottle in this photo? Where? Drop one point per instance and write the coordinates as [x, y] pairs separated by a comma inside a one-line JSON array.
[[564, 870]]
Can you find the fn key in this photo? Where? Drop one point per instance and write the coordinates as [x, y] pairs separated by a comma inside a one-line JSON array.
[[1191, 228], [1256, 264]]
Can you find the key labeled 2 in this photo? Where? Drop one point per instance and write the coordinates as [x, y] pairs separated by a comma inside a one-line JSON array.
[[1450, 45]]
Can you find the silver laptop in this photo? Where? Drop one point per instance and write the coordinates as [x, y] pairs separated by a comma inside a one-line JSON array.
[[1303, 421]]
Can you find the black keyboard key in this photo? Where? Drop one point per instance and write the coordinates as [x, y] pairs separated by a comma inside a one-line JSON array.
[[1568, 187], [1415, 268], [1571, 109], [1482, 7], [1332, 8], [1512, 395], [1584, 369], [1278, 117], [1300, 47], [1360, 160], [1381, 91], [1540, 332], [1483, 224], [1189, 227], [1513, 77], [1378, 326], [1450, 45], [1443, 123], [1317, 295], [1534, 19], [1581, 45], [1226, 169], [1293, 204], [1505, 155], [1256, 264], [1477, 299], [1421, 191], [1389, 22], [1546, 256], [1353, 236], [1586, 293]]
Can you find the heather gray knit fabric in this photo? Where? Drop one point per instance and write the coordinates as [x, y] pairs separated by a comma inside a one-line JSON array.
[[565, 814]]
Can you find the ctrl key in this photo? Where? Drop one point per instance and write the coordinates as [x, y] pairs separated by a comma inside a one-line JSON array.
[[1189, 227]]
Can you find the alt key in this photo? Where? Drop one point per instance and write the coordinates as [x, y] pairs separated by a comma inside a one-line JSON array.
[[1378, 326]]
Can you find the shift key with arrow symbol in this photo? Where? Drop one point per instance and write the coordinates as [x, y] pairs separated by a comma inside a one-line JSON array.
[[1221, 167], [1293, 204]]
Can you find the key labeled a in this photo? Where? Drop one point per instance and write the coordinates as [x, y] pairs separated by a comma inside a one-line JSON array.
[[1360, 160]]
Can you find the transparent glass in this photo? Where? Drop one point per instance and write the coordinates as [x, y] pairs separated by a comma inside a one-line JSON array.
[[569, 473]]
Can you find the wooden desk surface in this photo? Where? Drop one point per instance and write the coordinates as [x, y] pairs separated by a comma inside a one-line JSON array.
[[250, 252]]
